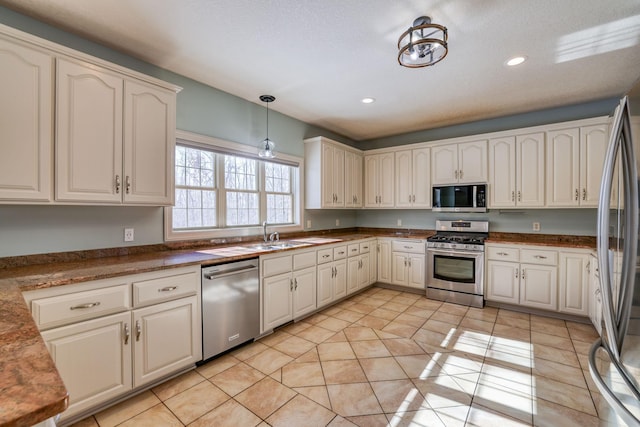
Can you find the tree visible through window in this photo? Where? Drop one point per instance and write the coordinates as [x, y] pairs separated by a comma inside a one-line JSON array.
[[279, 195], [196, 192], [241, 186]]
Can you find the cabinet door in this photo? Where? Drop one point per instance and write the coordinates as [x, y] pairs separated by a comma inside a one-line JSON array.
[[325, 284], [328, 192], [149, 141], [472, 162], [371, 172], [353, 265], [278, 300], [364, 271], [404, 179], [421, 178], [384, 261], [416, 271], [530, 170], [574, 283], [593, 147], [373, 263], [166, 338], [26, 123], [88, 134], [93, 359], [352, 179], [503, 282], [304, 291], [386, 180], [399, 268], [502, 172], [538, 286], [340, 279], [563, 168], [444, 164], [338, 176]]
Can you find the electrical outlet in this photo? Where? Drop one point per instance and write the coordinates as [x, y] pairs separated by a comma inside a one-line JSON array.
[[536, 226], [128, 234], [308, 223], [399, 222], [337, 222]]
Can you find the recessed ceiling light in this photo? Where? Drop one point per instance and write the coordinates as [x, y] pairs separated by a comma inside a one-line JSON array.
[[368, 100], [516, 60]]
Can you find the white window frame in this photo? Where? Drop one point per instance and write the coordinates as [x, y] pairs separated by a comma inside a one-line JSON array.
[[234, 148]]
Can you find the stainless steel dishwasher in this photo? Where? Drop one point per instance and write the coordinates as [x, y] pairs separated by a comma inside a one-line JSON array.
[[230, 306]]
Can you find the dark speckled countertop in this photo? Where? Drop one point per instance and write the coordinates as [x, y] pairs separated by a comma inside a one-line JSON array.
[[33, 391]]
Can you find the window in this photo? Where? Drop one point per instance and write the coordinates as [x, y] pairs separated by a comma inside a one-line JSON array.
[[222, 192]]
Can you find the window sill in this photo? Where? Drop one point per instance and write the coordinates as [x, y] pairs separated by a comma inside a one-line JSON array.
[[258, 231]]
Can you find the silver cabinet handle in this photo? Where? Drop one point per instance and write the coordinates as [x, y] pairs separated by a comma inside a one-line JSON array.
[[341, 253], [456, 174], [540, 257], [325, 256], [584, 194], [577, 194], [117, 184], [127, 184], [405, 262], [523, 278], [168, 289], [408, 247], [138, 330], [519, 196], [354, 250], [414, 198], [295, 284], [460, 173], [502, 253], [83, 306], [513, 196], [127, 333], [409, 262], [291, 285], [516, 273]]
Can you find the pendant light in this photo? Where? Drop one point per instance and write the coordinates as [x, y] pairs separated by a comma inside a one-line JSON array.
[[423, 44], [266, 147]]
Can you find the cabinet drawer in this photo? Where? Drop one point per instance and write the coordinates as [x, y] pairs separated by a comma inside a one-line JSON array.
[[353, 249], [325, 255], [365, 248], [70, 308], [276, 265], [536, 256], [165, 288], [339, 252], [503, 253], [412, 246], [304, 260]]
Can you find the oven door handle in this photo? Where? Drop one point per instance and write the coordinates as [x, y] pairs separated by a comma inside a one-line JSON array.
[[467, 254]]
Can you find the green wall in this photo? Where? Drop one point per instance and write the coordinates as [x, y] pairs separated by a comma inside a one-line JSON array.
[[206, 110]]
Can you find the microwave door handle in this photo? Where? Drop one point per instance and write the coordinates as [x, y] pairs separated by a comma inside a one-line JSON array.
[[469, 254], [475, 196]]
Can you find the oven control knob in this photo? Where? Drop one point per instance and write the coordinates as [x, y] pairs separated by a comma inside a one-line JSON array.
[[454, 246]]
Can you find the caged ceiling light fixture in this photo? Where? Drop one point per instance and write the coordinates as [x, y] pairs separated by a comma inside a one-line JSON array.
[[266, 147], [423, 44]]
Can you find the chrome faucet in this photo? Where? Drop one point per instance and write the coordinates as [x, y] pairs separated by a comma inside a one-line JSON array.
[[274, 236], [264, 230]]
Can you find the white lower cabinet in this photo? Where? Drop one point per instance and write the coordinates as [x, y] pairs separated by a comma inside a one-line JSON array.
[[574, 282], [332, 282], [523, 275], [288, 289], [93, 358], [408, 263], [101, 355], [384, 260]]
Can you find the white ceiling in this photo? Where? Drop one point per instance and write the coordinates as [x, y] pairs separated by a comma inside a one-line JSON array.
[[320, 58]]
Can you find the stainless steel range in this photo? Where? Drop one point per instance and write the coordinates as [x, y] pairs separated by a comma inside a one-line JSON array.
[[455, 262]]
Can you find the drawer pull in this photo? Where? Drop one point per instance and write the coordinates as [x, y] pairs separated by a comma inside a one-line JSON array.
[[127, 333], [138, 330], [83, 306], [408, 247], [540, 257], [341, 253], [168, 289], [325, 256], [502, 253]]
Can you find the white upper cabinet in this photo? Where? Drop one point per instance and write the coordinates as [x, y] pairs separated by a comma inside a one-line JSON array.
[[26, 123], [333, 175], [379, 172], [76, 129], [413, 178], [575, 158], [516, 171], [459, 163], [114, 139], [89, 133]]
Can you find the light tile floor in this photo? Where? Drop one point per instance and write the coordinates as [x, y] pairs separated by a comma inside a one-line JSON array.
[[387, 358]]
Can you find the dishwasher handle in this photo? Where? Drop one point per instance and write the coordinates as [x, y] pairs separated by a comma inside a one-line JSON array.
[[215, 274]]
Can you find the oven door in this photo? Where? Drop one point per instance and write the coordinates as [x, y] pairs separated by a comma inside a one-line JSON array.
[[455, 270]]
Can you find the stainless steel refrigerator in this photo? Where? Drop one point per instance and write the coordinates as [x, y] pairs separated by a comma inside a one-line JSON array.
[[614, 360]]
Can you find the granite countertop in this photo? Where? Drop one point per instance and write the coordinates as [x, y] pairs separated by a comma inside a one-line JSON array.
[[32, 390]]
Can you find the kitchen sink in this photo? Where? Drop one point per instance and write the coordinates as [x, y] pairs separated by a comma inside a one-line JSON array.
[[272, 246]]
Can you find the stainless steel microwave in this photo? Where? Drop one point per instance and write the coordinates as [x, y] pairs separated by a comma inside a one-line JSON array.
[[459, 198]]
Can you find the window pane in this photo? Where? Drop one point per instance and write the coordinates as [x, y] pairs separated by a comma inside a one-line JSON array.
[[279, 209], [277, 178], [242, 208], [240, 173]]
